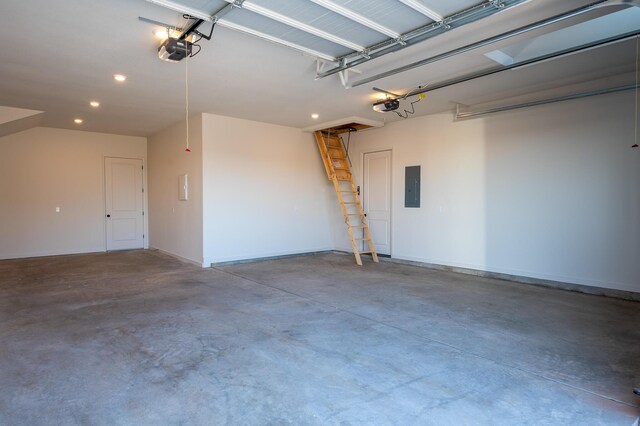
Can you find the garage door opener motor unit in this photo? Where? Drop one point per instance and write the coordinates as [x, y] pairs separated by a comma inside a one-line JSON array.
[[174, 50]]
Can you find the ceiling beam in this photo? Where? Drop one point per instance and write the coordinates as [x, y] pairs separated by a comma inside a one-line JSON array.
[[356, 17], [297, 24], [419, 7]]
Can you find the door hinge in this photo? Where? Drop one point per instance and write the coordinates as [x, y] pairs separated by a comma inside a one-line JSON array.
[[142, 189], [142, 213], [142, 167]]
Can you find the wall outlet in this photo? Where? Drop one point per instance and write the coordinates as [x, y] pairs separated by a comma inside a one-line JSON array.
[[57, 209]]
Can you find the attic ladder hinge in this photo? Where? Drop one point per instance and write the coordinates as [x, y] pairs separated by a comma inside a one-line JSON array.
[[338, 171]]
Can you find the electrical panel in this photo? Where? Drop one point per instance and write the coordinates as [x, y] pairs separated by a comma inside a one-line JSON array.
[[412, 186]]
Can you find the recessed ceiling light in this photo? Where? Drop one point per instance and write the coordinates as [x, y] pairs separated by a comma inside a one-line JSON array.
[[314, 116], [162, 33], [94, 104], [78, 121], [119, 77]]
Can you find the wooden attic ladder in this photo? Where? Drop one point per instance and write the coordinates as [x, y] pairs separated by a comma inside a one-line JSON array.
[[336, 164]]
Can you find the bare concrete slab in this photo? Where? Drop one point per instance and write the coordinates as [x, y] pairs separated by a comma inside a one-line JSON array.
[[135, 338]]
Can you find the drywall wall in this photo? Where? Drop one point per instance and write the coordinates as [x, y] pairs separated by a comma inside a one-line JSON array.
[[44, 168], [550, 192], [265, 191], [175, 226]]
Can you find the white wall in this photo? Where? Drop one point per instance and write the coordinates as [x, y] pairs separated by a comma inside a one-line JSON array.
[[550, 192], [175, 226], [265, 191], [44, 168]]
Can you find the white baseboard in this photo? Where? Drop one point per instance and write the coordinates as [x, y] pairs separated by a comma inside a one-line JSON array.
[[522, 278], [268, 256], [612, 285], [45, 253], [181, 258]]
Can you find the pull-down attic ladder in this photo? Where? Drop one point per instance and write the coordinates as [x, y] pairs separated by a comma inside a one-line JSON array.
[[338, 171]]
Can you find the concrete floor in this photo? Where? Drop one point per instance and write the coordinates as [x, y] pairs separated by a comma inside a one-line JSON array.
[[137, 338]]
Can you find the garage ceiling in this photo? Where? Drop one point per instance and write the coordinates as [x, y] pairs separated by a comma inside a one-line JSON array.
[[63, 54]]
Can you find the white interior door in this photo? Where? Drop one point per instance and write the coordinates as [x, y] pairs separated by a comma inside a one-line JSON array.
[[377, 198], [124, 203]]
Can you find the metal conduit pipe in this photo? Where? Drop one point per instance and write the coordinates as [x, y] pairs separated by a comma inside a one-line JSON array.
[[495, 39], [472, 114]]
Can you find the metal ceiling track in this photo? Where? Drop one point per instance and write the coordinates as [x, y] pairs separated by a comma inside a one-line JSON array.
[[459, 19], [473, 114], [500, 37], [198, 17], [538, 59]]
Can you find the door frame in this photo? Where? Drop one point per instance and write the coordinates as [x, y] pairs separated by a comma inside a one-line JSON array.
[[362, 189], [145, 207]]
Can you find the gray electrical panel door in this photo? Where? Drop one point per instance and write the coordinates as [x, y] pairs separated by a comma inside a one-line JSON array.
[[412, 186]]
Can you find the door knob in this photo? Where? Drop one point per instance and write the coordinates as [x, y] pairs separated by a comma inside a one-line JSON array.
[[108, 215]]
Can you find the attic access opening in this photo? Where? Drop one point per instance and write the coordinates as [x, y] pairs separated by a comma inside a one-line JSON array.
[[344, 125], [336, 128], [349, 127]]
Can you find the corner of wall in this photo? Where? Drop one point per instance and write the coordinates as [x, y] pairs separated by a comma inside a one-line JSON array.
[[176, 226]]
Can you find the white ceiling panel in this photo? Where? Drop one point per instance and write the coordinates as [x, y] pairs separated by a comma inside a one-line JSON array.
[[285, 32], [323, 19], [392, 14], [349, 30]]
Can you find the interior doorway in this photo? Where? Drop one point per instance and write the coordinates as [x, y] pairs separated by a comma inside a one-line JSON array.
[[124, 203], [376, 198]]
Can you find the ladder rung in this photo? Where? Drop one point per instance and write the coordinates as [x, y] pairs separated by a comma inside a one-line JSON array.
[[357, 226], [361, 239], [365, 252], [348, 190], [341, 168]]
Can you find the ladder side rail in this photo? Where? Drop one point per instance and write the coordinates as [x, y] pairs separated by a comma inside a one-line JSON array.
[[365, 222], [324, 153], [343, 208]]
